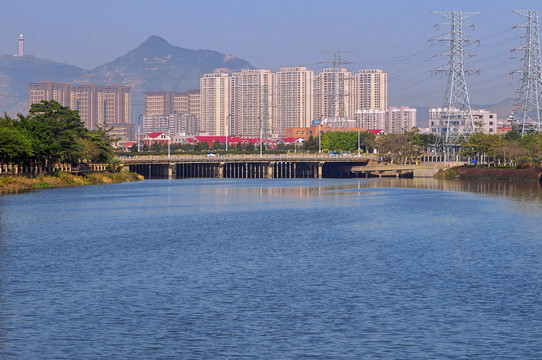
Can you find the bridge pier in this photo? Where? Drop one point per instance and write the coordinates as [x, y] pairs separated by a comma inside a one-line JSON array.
[[270, 168]]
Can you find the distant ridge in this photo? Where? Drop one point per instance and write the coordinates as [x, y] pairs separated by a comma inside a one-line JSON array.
[[154, 65]]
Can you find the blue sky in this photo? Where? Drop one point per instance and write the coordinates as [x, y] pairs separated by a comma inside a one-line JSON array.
[[391, 35]]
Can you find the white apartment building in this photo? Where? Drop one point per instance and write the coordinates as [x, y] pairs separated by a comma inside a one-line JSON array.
[[294, 99], [370, 90], [251, 94], [215, 104], [371, 119], [333, 94], [484, 121], [393, 121], [400, 119], [174, 124]]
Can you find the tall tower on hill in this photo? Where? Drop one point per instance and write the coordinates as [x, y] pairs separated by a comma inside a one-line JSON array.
[[21, 45]]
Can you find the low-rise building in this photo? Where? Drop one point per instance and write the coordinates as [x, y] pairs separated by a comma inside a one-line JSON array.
[[484, 121], [156, 137]]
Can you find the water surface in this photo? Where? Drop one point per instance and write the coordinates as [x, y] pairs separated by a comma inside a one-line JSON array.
[[275, 269]]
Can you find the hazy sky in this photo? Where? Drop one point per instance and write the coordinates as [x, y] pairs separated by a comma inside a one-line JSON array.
[[391, 35]]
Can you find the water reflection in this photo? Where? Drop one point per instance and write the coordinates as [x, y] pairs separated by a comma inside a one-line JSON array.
[[522, 191]]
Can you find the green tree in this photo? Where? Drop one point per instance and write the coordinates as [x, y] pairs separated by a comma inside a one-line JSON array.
[[55, 129], [217, 145], [156, 147], [311, 144], [88, 150], [102, 140], [15, 145], [201, 146]]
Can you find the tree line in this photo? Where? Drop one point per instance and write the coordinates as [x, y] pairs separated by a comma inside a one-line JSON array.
[[508, 149], [50, 134]]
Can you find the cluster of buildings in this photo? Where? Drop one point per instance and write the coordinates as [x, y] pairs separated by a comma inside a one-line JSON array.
[[98, 106], [251, 103]]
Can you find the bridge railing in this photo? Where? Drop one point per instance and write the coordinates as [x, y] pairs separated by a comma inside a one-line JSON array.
[[245, 157]]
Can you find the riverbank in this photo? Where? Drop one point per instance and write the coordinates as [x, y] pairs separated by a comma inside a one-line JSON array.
[[17, 183], [491, 173]]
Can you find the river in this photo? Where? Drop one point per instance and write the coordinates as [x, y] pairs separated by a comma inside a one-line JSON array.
[[273, 269]]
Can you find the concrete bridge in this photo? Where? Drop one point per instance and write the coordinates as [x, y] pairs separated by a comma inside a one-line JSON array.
[[418, 170], [279, 166]]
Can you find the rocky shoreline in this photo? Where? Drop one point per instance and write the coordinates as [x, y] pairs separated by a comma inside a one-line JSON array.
[[14, 184]]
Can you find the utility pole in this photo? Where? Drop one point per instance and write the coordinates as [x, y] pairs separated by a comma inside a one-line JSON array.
[[358, 142], [456, 122], [527, 115], [227, 128], [138, 136]]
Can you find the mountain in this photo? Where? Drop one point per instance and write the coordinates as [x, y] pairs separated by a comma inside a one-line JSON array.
[[158, 65], [153, 65], [503, 109], [16, 72]]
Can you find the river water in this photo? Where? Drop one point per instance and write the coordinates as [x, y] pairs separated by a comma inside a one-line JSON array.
[[272, 269]]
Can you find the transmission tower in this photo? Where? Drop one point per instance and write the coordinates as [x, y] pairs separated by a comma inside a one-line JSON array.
[[336, 109], [456, 121], [527, 114]]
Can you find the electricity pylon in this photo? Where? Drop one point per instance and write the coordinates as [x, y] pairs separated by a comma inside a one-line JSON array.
[[336, 95], [456, 122], [527, 113]]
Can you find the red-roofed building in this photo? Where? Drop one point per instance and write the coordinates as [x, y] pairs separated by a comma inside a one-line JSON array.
[[156, 137], [377, 131], [233, 140], [127, 145]]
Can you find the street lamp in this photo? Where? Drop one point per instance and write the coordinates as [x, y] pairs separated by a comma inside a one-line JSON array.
[[358, 141], [138, 136], [261, 134], [319, 136], [227, 117], [169, 138]]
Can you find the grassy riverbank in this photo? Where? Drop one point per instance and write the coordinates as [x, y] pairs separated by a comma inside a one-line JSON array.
[[16, 183], [491, 173]]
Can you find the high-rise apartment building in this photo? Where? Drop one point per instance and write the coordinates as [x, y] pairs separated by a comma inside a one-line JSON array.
[[158, 103], [162, 103], [251, 96], [393, 120], [294, 89], [174, 124], [371, 119], [98, 106], [194, 102], [370, 90], [400, 119], [333, 95], [215, 104], [292, 98]]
